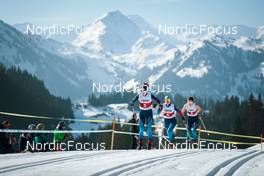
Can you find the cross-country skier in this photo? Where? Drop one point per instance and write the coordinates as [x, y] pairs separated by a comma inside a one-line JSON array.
[[145, 115], [168, 112], [192, 119]]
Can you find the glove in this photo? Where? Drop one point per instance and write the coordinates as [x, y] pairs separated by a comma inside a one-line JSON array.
[[180, 113], [154, 105]]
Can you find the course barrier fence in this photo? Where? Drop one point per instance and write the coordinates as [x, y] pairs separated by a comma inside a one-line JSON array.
[[114, 131]]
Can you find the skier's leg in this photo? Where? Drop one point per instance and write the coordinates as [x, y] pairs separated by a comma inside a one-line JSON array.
[[149, 122], [149, 131], [188, 129], [170, 129], [166, 126], [141, 125], [194, 132], [149, 128]]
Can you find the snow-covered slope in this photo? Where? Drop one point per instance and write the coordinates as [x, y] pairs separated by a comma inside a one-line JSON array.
[[252, 43], [65, 69], [63, 75], [112, 111], [132, 162], [67, 36], [215, 67]]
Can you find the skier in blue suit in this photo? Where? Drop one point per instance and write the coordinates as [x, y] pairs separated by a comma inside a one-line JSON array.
[[168, 112], [145, 98]]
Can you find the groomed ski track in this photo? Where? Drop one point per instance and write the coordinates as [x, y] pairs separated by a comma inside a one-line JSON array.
[[133, 162]]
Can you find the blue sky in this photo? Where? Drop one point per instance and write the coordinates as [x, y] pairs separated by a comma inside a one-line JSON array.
[[173, 12]]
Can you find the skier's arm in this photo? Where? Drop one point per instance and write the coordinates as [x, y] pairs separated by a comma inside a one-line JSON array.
[[183, 109], [179, 112], [199, 109], [133, 100], [160, 108]]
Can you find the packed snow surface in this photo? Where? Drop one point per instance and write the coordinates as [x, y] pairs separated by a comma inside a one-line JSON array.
[[133, 162]]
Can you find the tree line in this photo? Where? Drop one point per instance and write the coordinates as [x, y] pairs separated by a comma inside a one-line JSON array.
[[21, 92]]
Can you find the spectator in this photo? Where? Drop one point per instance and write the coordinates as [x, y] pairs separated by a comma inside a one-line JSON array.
[[6, 140], [134, 129], [25, 138], [40, 138], [32, 135], [58, 136]]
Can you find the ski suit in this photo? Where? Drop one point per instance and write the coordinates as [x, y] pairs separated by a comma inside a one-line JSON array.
[[168, 112], [192, 121], [145, 114]]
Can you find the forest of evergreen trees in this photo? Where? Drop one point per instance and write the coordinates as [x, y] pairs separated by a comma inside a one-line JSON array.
[[21, 92]]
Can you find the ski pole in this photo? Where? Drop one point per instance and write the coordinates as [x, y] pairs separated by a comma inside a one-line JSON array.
[[204, 125], [166, 139]]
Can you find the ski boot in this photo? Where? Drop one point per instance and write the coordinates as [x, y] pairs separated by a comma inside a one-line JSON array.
[[195, 144], [189, 144], [171, 146], [140, 145], [149, 144]]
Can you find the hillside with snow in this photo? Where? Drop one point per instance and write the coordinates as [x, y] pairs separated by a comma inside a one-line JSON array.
[[132, 162], [110, 112], [61, 73], [126, 48]]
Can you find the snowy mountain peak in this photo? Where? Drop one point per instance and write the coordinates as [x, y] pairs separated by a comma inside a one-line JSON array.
[[141, 22], [113, 32], [117, 33], [112, 16]]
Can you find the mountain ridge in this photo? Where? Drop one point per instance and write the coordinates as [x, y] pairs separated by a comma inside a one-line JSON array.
[[147, 56]]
